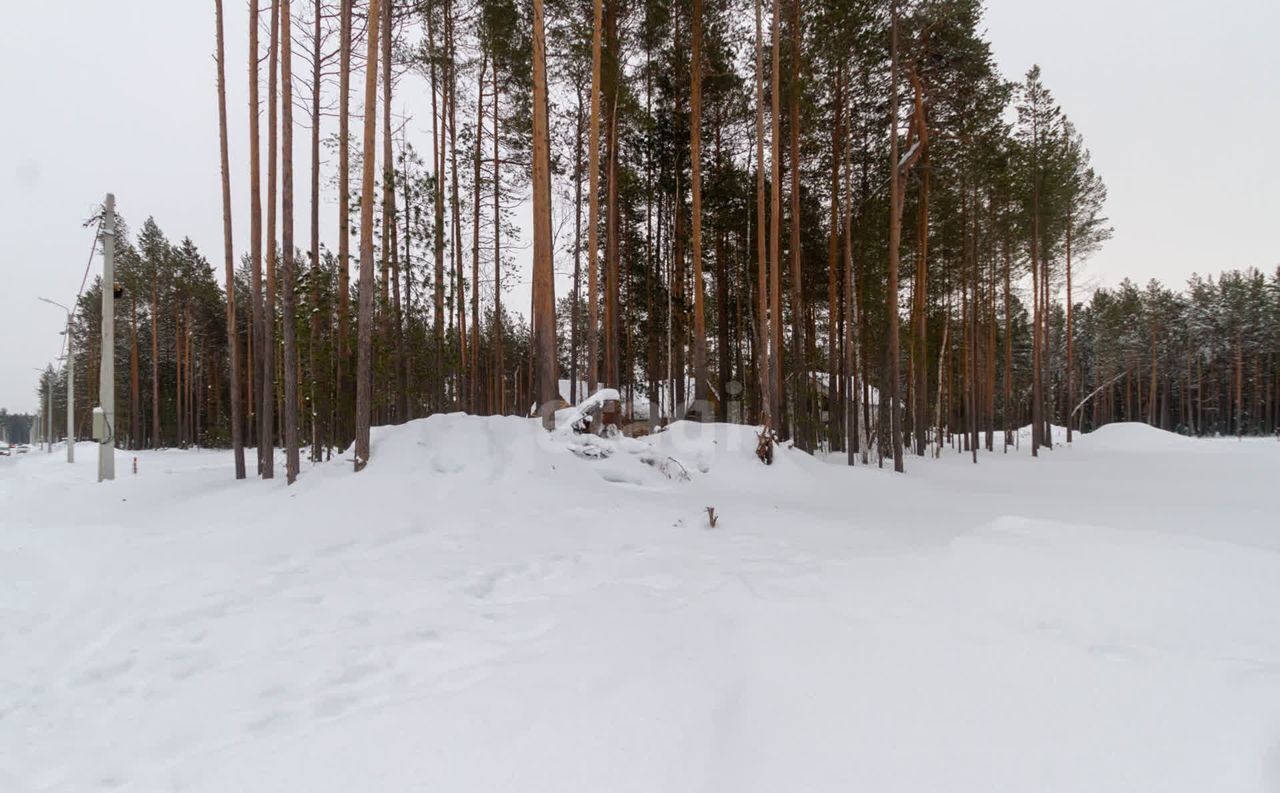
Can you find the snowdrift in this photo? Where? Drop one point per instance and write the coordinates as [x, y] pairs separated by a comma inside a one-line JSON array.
[[493, 449], [1133, 436]]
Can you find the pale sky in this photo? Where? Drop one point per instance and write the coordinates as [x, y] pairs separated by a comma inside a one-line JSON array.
[[1178, 101]]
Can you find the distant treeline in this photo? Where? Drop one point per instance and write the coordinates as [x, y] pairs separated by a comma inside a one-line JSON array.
[[1202, 361], [16, 427]]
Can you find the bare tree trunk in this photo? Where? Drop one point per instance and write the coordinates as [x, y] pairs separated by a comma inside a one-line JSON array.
[[255, 242], [408, 286], [544, 298], [290, 328], [178, 418], [775, 229], [233, 348], [266, 413], [315, 398], [135, 385], [344, 217], [475, 246], [500, 388], [851, 319], [437, 243], [895, 242], [576, 302], [612, 350], [390, 250], [835, 434], [763, 333], [797, 269], [364, 373], [593, 211], [155, 362], [1008, 349], [452, 84], [920, 319], [1037, 384], [1070, 333], [695, 164]]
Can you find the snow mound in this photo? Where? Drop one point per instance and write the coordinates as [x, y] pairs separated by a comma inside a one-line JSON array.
[[1133, 436], [460, 449]]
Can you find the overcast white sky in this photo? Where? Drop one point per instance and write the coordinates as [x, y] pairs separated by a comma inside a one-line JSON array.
[[1178, 101]]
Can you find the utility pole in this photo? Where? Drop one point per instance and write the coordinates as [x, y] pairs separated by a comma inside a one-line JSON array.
[[71, 385], [107, 380]]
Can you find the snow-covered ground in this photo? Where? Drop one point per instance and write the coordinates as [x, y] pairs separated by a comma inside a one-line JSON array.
[[483, 609]]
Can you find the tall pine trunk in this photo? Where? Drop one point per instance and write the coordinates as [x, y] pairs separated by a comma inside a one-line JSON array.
[[775, 229], [895, 242], [290, 328], [768, 408], [695, 163], [544, 303], [364, 344], [343, 286], [316, 395], [798, 316], [266, 410], [593, 199], [233, 347]]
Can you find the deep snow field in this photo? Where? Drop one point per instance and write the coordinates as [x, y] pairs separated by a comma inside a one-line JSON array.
[[483, 609]]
